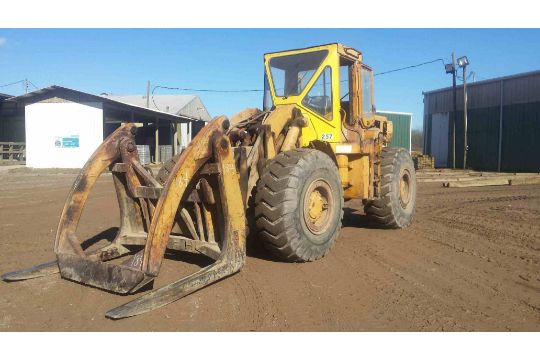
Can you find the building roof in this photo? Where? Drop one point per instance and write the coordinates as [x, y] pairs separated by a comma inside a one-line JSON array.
[[187, 105], [509, 90], [501, 78], [394, 112], [76, 95], [5, 96]]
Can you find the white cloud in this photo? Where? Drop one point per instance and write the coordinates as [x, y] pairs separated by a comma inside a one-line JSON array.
[[3, 40]]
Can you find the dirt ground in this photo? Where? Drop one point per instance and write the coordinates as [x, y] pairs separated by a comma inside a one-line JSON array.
[[471, 261]]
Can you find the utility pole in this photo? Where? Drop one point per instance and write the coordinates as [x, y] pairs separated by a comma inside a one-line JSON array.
[[463, 62], [454, 92], [148, 94], [26, 86], [156, 124], [465, 147]]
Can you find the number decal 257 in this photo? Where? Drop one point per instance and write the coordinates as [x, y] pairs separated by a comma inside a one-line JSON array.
[[326, 137]]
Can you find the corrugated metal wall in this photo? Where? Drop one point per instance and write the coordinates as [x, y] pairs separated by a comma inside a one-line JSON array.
[[402, 128], [520, 123], [521, 137], [483, 138]]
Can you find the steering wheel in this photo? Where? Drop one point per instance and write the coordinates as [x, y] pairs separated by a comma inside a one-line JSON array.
[[318, 102]]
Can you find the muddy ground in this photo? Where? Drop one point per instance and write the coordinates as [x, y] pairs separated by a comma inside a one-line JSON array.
[[471, 261]]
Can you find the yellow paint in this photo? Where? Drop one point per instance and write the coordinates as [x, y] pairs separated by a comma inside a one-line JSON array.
[[358, 177], [316, 205], [372, 132], [343, 168], [319, 128]]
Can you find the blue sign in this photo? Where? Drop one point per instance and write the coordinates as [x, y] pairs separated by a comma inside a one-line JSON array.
[[67, 141]]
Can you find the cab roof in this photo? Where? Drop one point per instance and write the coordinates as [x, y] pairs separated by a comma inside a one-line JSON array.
[[343, 50]]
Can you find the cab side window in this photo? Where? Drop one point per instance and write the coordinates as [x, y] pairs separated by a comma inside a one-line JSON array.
[[367, 92], [319, 97]]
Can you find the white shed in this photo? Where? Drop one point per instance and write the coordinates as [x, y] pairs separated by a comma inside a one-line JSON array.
[[63, 127], [62, 134]]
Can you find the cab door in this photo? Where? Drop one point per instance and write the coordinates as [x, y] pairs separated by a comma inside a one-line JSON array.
[[320, 102], [362, 106]]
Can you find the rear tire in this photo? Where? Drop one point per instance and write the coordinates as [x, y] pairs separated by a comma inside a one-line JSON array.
[[396, 207], [299, 205]]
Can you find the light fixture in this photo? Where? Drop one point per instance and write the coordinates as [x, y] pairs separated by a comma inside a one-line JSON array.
[[463, 61], [449, 68]]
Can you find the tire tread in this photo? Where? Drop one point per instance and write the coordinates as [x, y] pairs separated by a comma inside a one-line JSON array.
[[383, 211], [276, 204]]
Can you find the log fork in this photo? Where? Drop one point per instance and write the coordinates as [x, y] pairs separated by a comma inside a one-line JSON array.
[[148, 213]]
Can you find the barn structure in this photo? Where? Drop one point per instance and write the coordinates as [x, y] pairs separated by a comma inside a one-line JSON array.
[[401, 122], [503, 124], [62, 127]]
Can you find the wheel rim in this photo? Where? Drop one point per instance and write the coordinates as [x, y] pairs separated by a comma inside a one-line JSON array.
[[405, 188], [318, 207]]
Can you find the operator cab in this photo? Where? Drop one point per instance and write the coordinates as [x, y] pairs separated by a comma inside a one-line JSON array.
[[291, 75], [329, 81]]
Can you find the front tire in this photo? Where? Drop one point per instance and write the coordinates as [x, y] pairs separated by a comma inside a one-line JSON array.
[[299, 205], [397, 204]]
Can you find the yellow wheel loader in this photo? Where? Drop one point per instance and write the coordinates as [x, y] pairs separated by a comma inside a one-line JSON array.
[[285, 170]]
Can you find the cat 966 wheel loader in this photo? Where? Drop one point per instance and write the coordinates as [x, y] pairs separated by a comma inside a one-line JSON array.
[[281, 173]]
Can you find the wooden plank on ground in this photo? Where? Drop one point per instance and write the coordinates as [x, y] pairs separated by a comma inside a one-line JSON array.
[[464, 179], [495, 180], [525, 180], [483, 182]]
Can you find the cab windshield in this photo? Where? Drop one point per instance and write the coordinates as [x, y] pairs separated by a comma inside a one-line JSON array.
[[291, 73]]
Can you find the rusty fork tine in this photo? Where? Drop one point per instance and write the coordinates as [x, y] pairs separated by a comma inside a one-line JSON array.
[[45, 269], [178, 289]]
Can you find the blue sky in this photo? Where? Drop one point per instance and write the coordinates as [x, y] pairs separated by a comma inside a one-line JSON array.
[[121, 61]]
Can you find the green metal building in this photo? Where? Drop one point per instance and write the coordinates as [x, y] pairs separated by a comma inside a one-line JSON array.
[[402, 128], [503, 124]]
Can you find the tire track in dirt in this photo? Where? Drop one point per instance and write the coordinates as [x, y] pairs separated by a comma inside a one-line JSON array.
[[470, 261]]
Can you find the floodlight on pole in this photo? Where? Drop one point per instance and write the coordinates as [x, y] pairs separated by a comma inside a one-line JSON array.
[[463, 61]]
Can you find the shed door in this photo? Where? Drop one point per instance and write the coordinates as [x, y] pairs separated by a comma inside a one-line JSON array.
[[439, 139]]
